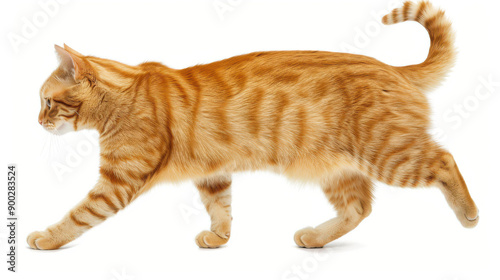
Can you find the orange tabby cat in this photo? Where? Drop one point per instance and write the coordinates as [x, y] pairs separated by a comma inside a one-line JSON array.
[[337, 119]]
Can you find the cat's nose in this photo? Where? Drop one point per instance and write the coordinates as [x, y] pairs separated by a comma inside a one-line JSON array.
[[40, 122]]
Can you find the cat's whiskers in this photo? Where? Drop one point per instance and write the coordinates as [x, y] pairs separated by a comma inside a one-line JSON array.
[[53, 144]]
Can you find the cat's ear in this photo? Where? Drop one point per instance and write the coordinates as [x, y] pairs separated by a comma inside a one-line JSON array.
[[72, 62], [72, 51]]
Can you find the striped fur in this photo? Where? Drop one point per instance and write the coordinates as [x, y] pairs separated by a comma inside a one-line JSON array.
[[340, 120], [432, 71]]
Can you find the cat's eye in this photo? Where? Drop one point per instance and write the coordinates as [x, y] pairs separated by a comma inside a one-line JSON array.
[[48, 103]]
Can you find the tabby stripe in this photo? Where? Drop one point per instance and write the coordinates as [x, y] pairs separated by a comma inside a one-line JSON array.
[[64, 109], [372, 75], [357, 115], [253, 115], [418, 170], [93, 213], [181, 92], [119, 197], [212, 188], [111, 133], [168, 138], [138, 86], [112, 66], [240, 81], [78, 222], [194, 116], [349, 142], [112, 177], [381, 160], [395, 14], [148, 161], [376, 154], [301, 119], [328, 129], [105, 199], [286, 78], [320, 90], [281, 103], [151, 99], [395, 167], [430, 179], [405, 180], [262, 71], [104, 126], [224, 93], [438, 37], [392, 153], [382, 146], [189, 77], [436, 158], [421, 8], [134, 174], [430, 163], [434, 19], [368, 135], [406, 10], [346, 125], [108, 84], [346, 104], [212, 164], [67, 116], [65, 104], [130, 192]]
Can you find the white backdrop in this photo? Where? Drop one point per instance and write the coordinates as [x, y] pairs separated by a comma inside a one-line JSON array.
[[411, 234]]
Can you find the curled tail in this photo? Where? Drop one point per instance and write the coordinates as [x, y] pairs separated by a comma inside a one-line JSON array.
[[432, 71]]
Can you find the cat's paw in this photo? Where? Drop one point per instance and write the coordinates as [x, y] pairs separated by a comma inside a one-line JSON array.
[[208, 239], [308, 238], [42, 240], [469, 218]]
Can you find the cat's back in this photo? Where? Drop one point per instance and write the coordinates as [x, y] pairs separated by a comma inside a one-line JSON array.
[[303, 77], [297, 70], [321, 59], [268, 62]]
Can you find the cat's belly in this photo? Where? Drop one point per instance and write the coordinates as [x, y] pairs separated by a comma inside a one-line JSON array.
[[306, 168]]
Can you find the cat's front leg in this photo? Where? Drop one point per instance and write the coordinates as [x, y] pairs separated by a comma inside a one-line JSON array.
[[215, 193], [103, 201]]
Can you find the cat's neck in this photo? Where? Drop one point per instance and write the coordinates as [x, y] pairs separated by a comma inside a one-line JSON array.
[[118, 88], [113, 76]]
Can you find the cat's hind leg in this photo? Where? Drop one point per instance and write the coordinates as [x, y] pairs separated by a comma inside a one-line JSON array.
[[351, 194], [426, 164], [453, 186], [215, 193]]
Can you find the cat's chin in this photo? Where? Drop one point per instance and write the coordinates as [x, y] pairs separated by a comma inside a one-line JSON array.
[[62, 129]]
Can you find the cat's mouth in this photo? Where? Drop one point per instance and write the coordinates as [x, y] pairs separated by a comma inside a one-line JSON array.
[[61, 129]]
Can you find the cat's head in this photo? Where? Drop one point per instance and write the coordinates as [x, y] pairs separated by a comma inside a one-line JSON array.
[[67, 94]]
